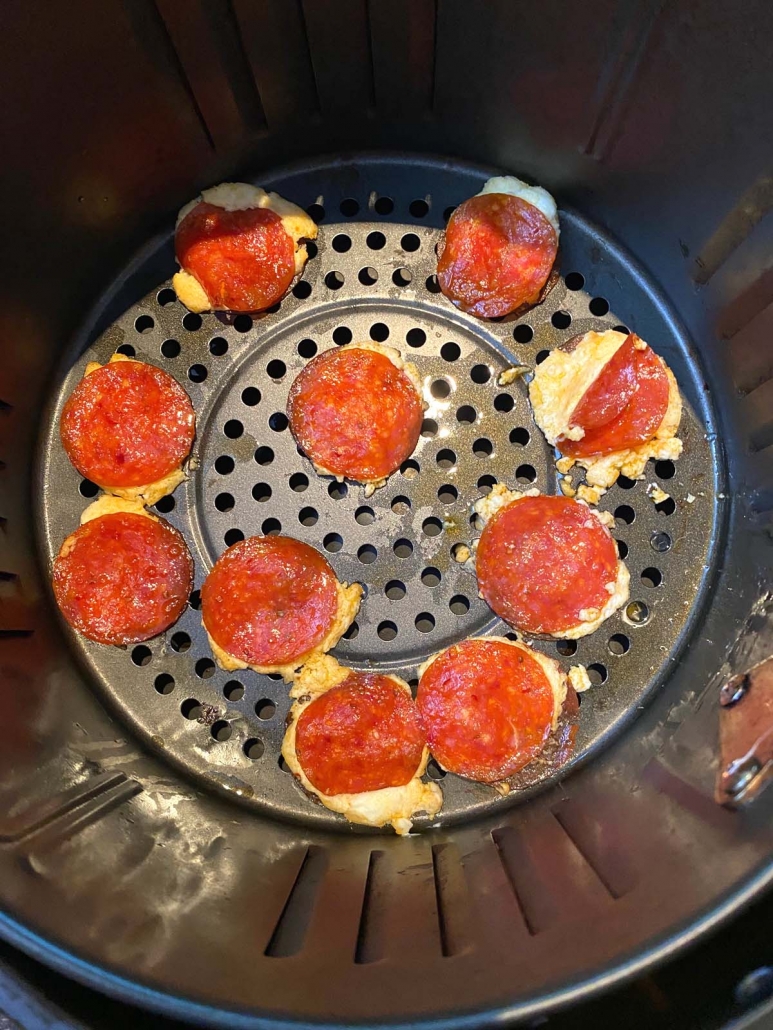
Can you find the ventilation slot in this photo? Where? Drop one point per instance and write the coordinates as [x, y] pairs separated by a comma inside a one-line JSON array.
[[601, 846], [451, 897], [746, 306], [535, 903], [290, 932], [370, 943]]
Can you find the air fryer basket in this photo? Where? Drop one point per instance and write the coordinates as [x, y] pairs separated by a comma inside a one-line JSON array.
[[150, 842]]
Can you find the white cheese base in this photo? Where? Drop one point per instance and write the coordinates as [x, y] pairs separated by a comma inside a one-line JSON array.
[[618, 589], [150, 492], [394, 355], [241, 196], [395, 806], [534, 195], [349, 598], [558, 385]]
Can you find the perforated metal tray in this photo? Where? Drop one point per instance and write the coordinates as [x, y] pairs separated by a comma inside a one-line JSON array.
[[374, 279]]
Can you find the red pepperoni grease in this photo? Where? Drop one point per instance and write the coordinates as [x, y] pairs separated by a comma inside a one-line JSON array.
[[269, 600], [355, 413], [362, 735], [624, 406], [122, 578], [542, 560], [244, 260], [487, 709], [497, 256], [127, 424]]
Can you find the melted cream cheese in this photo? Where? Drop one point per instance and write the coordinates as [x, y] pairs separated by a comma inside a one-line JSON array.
[[590, 618], [534, 195], [395, 806], [241, 196], [150, 492], [394, 355], [558, 385], [349, 598], [108, 504]]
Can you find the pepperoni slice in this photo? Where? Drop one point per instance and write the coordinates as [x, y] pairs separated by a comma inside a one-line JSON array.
[[355, 413], [269, 600], [122, 578], [610, 391], [639, 420], [362, 735], [127, 424], [243, 260], [498, 254], [487, 708], [543, 560]]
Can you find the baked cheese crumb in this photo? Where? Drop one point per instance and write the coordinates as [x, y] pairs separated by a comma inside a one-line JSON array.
[[512, 374], [395, 806], [656, 494]]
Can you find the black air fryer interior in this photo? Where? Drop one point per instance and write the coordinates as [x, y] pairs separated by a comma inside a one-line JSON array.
[[119, 863]]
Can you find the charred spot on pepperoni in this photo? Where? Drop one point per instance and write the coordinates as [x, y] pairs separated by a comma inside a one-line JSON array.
[[542, 561], [487, 708], [355, 414], [123, 578], [243, 260], [127, 424], [361, 735], [269, 600], [498, 254]]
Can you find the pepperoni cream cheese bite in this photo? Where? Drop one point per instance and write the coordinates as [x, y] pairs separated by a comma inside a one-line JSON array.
[[271, 603], [608, 403], [500, 247], [354, 740], [239, 248], [124, 575], [488, 705], [356, 411], [548, 565], [128, 427]]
